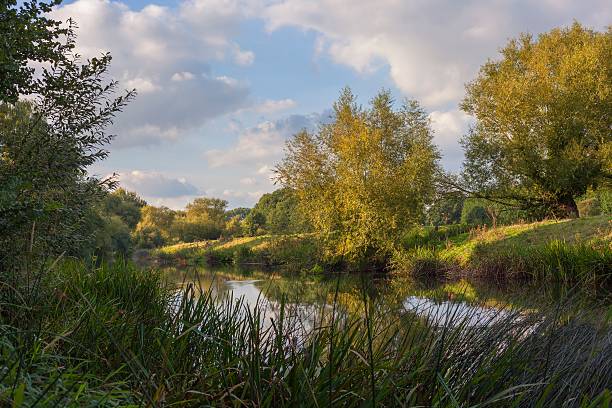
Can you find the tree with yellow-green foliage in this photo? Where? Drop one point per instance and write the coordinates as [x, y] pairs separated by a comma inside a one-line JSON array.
[[543, 132], [365, 178]]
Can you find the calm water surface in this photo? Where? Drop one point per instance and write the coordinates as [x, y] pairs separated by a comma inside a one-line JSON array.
[[471, 302]]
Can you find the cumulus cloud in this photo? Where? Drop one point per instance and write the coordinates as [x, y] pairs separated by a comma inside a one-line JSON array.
[[448, 127], [263, 144], [431, 48], [248, 181], [166, 54], [271, 106], [151, 184]]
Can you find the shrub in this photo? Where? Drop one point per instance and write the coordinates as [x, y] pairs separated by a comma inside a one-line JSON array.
[[419, 261]]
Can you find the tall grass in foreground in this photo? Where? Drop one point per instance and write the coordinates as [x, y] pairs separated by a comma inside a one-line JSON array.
[[117, 335]]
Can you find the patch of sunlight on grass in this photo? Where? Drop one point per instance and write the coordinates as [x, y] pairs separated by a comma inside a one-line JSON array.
[[595, 230]]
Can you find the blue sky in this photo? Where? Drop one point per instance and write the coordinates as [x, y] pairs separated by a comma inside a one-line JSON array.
[[223, 83]]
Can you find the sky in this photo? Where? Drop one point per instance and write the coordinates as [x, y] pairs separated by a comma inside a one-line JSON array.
[[222, 84]]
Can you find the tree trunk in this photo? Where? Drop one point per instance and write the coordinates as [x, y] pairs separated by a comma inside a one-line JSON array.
[[568, 207]]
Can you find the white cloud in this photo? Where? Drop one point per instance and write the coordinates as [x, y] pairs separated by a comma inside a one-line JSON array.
[[449, 127], [265, 169], [151, 50], [143, 85], [271, 106], [248, 181], [182, 76], [431, 48], [155, 185], [262, 144]]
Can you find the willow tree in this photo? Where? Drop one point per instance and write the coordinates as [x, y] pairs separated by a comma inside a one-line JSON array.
[[543, 120], [365, 178]]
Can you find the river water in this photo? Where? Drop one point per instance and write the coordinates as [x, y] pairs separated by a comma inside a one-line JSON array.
[[442, 302]]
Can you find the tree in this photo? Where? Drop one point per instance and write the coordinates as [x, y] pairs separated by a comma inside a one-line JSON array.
[[446, 209], [27, 35], [48, 141], [542, 133], [240, 212], [233, 227], [155, 227], [276, 213], [211, 209], [365, 178], [254, 224], [124, 204]]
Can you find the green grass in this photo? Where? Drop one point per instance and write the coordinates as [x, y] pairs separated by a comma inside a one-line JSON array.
[[595, 231], [117, 335], [567, 251], [300, 252]]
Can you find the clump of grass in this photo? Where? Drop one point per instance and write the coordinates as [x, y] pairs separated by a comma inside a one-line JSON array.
[[420, 261], [556, 260], [32, 375]]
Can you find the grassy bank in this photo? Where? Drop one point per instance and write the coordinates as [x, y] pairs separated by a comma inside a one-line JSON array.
[[570, 251], [118, 336], [567, 251], [295, 252]]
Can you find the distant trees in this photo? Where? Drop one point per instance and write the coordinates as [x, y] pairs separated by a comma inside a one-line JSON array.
[[543, 125], [155, 227], [124, 204], [114, 220], [365, 178], [276, 213], [446, 209]]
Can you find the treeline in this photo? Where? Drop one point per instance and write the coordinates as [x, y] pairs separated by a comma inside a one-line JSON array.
[[126, 222]]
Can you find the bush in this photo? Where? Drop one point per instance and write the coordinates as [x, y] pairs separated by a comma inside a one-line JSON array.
[[419, 261]]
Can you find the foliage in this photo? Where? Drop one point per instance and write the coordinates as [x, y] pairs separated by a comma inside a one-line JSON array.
[[113, 238], [233, 227], [276, 213], [596, 202], [47, 143], [485, 212], [542, 135], [365, 178], [210, 209], [155, 226], [124, 204], [420, 236], [445, 210], [186, 228], [240, 212], [28, 35], [254, 223], [576, 252]]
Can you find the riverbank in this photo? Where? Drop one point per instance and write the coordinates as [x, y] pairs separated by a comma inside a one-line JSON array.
[[569, 251], [299, 252], [121, 336]]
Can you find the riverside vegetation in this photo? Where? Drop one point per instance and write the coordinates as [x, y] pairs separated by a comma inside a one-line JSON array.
[[83, 325]]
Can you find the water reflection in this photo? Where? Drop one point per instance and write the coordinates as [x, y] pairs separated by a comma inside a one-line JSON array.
[[448, 313], [305, 298]]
